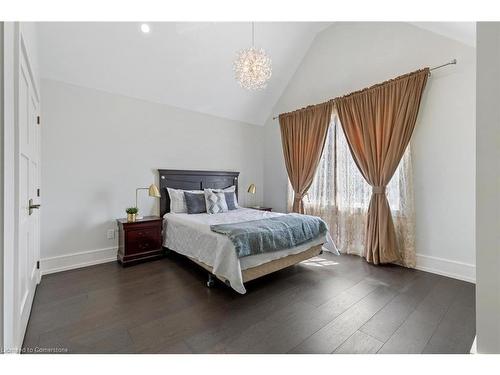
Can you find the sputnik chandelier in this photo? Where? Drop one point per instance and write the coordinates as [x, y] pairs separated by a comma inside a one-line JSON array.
[[252, 67]]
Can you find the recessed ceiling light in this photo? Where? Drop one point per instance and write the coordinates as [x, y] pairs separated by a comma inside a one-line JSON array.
[[145, 28]]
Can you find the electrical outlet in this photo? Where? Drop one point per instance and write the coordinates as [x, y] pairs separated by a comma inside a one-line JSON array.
[[111, 234]]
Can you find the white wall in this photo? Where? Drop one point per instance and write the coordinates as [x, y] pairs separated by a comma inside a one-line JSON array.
[[98, 147], [351, 56], [488, 188]]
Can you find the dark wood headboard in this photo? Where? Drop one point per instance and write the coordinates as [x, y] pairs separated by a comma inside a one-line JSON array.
[[193, 180]]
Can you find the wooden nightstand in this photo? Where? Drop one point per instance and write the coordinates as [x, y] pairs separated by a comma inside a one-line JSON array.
[[261, 208], [140, 240]]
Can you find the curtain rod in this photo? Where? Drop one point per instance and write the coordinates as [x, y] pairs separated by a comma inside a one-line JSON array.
[[452, 62]]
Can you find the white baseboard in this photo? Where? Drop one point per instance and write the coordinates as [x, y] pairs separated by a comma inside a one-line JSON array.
[[77, 260], [446, 267]]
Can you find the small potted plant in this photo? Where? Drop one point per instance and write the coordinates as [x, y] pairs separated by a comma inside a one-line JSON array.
[[131, 214]]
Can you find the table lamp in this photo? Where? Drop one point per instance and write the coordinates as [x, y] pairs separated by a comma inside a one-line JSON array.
[[153, 192], [252, 189]]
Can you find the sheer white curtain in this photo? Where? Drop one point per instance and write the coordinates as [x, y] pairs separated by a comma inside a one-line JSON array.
[[340, 195]]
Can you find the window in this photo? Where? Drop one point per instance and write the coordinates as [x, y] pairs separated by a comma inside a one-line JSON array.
[[338, 183], [340, 195]]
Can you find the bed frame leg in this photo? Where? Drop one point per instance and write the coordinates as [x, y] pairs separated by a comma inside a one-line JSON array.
[[211, 281]]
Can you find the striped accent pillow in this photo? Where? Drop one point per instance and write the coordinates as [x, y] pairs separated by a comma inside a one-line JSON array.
[[215, 201]]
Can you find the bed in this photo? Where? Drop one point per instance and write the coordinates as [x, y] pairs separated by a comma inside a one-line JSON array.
[[190, 234]]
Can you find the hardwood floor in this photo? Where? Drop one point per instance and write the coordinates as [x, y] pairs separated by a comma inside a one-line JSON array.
[[326, 305]]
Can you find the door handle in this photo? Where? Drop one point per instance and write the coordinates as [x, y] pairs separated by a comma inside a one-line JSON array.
[[32, 206]]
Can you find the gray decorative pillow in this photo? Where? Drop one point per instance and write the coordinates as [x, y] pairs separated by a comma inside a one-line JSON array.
[[231, 200], [178, 200], [215, 201], [195, 203]]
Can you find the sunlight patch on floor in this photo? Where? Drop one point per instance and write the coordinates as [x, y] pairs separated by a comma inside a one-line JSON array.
[[319, 262]]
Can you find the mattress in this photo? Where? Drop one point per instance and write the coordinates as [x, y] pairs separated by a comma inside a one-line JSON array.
[[190, 235]]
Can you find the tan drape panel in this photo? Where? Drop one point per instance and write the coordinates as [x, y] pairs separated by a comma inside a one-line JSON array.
[[303, 135], [378, 123]]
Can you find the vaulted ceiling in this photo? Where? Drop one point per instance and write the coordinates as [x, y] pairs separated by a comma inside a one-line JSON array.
[[464, 32], [187, 65]]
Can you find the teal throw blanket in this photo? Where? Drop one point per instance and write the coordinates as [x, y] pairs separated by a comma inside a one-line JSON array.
[[273, 234]]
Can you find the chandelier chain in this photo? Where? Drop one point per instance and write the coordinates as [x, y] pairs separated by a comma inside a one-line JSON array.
[[253, 34]]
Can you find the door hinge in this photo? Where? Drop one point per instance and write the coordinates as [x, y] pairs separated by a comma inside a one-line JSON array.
[[38, 120], [37, 264], [38, 192]]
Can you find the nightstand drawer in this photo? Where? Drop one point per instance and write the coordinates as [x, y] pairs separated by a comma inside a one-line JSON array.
[[139, 240], [143, 239]]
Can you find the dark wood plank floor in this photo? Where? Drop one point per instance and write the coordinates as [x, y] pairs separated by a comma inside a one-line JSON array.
[[326, 305]]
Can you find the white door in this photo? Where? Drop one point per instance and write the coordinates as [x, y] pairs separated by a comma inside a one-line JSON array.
[[27, 274]]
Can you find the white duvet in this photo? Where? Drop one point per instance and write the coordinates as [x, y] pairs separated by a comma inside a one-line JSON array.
[[190, 235]]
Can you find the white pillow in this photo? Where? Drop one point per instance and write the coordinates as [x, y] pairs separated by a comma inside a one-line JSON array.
[[215, 201], [178, 200]]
